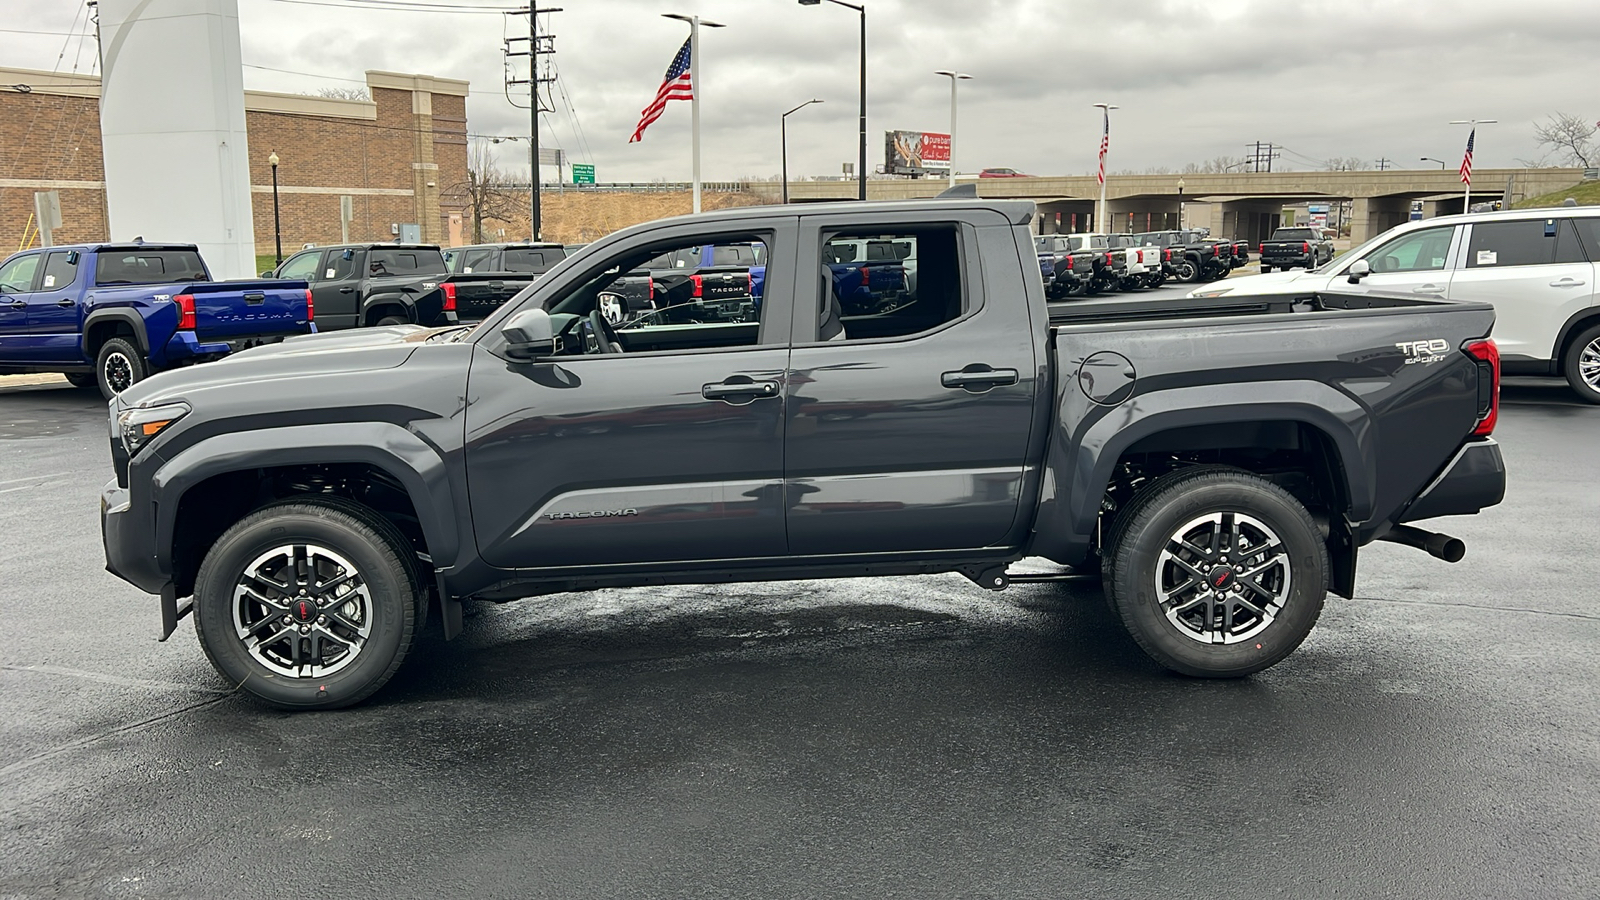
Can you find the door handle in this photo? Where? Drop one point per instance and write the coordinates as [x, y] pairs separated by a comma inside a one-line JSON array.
[[1567, 282], [19, 304], [978, 377], [1429, 289], [347, 290], [65, 303], [737, 391]]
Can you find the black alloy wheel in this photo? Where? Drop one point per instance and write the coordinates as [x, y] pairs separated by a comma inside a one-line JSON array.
[[1217, 572], [1188, 272], [118, 366]]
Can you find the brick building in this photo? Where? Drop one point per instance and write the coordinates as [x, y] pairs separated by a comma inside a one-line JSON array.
[[401, 157]]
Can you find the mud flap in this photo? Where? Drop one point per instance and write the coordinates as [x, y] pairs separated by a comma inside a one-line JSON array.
[[171, 612]]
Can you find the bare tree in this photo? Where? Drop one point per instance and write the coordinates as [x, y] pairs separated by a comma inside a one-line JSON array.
[[1345, 164], [1570, 138], [343, 93], [486, 192]]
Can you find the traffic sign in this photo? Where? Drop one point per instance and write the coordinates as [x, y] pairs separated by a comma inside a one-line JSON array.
[[582, 174]]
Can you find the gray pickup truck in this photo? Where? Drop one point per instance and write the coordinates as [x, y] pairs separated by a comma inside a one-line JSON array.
[[1219, 461]]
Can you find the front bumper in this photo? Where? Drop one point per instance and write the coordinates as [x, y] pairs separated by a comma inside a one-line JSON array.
[[1476, 478], [129, 541]]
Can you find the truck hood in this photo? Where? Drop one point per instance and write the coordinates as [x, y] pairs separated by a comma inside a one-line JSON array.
[[1270, 283], [295, 358]]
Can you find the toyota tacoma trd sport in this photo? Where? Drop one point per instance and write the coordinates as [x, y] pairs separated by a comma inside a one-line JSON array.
[[1218, 462]]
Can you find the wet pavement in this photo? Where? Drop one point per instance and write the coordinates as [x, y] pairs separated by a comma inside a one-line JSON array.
[[916, 737]]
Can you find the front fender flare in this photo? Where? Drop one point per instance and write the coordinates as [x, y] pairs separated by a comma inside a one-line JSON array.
[[410, 460]]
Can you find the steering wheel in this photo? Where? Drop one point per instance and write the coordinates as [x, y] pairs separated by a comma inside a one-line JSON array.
[[601, 339]]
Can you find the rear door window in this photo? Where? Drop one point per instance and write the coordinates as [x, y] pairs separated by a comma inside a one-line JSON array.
[[1420, 251], [1505, 244], [60, 270], [534, 261], [892, 296], [405, 262], [476, 260]]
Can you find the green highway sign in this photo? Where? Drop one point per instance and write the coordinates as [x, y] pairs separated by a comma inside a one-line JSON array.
[[582, 174]]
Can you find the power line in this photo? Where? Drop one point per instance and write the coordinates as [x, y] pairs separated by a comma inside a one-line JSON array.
[[375, 5]]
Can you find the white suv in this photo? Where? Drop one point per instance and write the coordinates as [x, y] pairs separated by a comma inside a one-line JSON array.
[[1537, 266]]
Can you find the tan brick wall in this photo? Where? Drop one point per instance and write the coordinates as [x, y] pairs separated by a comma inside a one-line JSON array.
[[54, 138]]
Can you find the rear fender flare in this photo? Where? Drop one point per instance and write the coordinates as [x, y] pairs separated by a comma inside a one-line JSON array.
[[395, 450], [1080, 477], [101, 317], [393, 298]]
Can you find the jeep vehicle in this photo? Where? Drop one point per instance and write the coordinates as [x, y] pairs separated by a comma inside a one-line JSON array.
[[1219, 461]]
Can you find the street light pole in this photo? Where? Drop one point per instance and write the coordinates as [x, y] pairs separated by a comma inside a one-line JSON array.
[[1180, 203], [1442, 163], [277, 230], [694, 97], [1102, 213], [954, 77], [1466, 202], [783, 127], [861, 162]]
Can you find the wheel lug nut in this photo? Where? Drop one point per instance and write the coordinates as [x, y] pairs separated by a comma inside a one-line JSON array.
[[288, 620], [305, 629], [322, 620]]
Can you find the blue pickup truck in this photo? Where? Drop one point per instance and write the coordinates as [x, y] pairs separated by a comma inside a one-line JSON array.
[[108, 315]]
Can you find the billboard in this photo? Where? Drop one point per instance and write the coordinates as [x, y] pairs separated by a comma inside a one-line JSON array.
[[915, 152]]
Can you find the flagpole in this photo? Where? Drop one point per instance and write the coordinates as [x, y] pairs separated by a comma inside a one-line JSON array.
[[1105, 138], [1466, 200], [694, 97]]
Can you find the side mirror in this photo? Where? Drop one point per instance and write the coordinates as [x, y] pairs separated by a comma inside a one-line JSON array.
[[348, 255], [1359, 270], [528, 335], [267, 274]]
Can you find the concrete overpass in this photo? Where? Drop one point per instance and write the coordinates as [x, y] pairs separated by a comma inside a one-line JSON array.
[[1239, 205]]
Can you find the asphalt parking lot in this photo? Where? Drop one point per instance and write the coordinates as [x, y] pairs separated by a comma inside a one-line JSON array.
[[1437, 737]]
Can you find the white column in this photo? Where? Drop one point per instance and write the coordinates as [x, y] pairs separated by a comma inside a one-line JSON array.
[[172, 127]]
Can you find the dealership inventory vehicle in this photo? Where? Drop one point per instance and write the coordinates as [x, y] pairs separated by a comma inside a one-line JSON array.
[[1065, 273], [360, 285], [1537, 267], [1195, 256], [1220, 461], [1295, 248], [523, 259], [1144, 261], [108, 315]]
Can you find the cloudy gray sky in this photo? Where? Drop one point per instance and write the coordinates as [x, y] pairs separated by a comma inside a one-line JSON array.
[[1195, 78]]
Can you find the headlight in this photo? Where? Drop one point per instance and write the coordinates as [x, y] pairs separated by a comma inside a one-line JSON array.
[[1211, 292], [140, 426]]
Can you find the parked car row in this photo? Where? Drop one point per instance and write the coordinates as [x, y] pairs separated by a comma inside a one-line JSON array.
[[109, 315], [1088, 264]]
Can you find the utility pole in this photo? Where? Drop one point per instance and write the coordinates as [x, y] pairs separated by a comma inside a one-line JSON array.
[[537, 46], [1383, 163]]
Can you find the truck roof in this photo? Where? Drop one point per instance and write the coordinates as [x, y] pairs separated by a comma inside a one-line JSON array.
[[510, 245], [121, 245], [376, 246], [1018, 212]]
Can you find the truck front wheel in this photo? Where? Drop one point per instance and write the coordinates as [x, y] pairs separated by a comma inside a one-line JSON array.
[[1582, 365], [118, 366], [308, 604], [1218, 573]]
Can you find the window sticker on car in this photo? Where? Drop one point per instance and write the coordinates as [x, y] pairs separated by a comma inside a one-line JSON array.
[[49, 281], [1485, 258], [1438, 262], [328, 274]]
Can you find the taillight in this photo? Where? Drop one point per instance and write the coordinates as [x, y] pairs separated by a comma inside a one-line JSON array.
[[449, 296], [1109, 261], [749, 283], [311, 308], [866, 278], [695, 280], [1305, 247], [1263, 248], [1488, 359], [1166, 256], [185, 311]]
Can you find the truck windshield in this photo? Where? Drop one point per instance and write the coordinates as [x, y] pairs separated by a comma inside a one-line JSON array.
[[406, 262], [148, 266]]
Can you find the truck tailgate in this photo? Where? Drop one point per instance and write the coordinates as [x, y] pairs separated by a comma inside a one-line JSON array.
[[479, 294], [237, 309]]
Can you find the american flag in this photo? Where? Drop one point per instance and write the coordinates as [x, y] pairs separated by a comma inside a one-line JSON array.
[[1105, 144], [1466, 161], [674, 86]]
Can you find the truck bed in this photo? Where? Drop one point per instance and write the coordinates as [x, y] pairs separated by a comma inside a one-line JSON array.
[[1110, 310]]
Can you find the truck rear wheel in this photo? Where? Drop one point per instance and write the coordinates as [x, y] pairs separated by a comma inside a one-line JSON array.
[[1582, 365], [118, 366], [308, 604], [1217, 573], [1188, 271]]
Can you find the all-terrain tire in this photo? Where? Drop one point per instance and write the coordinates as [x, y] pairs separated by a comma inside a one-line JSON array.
[[329, 541], [1219, 638], [118, 366]]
